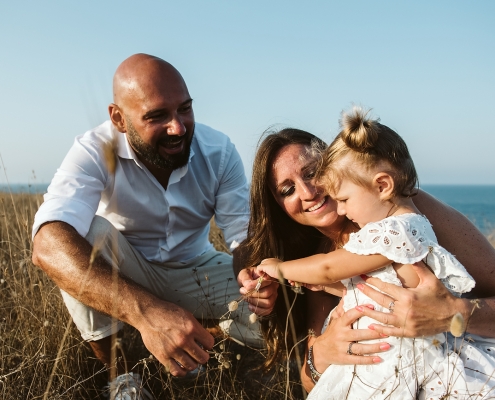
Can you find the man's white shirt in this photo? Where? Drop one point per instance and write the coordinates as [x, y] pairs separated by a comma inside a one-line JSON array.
[[163, 225]]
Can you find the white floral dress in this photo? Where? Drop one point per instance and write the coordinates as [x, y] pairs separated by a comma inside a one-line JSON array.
[[432, 367]]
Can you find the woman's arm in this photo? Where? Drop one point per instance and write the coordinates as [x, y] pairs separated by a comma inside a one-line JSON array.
[[323, 269], [429, 308], [459, 236], [331, 347]]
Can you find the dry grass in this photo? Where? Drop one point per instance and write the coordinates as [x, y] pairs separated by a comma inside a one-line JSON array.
[[33, 321]]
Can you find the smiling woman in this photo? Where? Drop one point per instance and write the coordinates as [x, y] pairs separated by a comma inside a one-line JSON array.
[[284, 198], [273, 233], [293, 187]]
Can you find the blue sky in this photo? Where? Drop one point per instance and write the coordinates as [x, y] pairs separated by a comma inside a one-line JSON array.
[[426, 68]]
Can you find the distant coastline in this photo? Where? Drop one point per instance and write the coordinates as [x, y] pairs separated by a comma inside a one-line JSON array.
[[34, 188], [477, 202]]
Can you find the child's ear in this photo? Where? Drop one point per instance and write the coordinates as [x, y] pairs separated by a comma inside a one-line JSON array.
[[384, 184]]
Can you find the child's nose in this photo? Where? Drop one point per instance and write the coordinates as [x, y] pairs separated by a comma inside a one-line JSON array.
[[341, 209]]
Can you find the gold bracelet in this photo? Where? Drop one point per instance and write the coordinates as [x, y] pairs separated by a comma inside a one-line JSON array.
[[315, 375]]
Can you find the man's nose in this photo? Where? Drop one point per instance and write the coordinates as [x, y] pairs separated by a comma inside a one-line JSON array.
[[176, 127]]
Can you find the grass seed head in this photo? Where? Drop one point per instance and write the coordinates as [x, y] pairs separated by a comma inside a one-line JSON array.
[[457, 325], [253, 318], [226, 364], [233, 305]]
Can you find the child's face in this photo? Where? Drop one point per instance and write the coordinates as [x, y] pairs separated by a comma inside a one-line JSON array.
[[360, 204]]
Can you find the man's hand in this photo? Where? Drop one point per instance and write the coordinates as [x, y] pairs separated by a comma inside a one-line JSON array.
[[169, 332], [262, 301], [175, 338]]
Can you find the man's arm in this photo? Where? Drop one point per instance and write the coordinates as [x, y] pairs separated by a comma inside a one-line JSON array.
[[169, 332]]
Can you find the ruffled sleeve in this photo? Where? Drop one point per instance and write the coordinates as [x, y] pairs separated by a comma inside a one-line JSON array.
[[407, 239]]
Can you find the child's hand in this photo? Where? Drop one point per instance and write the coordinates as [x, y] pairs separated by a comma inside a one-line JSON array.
[[269, 266]]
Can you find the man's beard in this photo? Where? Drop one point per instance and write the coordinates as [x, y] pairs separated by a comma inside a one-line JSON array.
[[150, 154]]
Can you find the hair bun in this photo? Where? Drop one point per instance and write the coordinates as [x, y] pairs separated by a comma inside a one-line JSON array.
[[359, 131]]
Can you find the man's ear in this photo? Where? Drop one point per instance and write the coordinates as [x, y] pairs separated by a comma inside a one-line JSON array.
[[117, 117], [384, 184]]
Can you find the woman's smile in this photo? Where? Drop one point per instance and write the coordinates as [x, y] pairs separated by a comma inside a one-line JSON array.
[[318, 205]]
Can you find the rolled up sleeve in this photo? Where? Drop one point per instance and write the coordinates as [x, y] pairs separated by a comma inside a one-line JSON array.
[[75, 191]]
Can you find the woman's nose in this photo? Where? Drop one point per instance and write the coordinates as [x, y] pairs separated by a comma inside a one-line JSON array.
[[308, 191]]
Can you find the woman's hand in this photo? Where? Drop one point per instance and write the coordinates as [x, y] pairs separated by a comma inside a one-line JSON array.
[[260, 301], [421, 311], [333, 345]]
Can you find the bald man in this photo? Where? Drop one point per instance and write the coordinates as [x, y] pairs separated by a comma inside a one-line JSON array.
[[138, 193]]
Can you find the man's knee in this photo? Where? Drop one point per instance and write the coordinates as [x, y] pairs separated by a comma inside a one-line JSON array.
[[99, 229], [106, 241]]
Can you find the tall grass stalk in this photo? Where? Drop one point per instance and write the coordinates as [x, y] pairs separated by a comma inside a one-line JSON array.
[[42, 355]]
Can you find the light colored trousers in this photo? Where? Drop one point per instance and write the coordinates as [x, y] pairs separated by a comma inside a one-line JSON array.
[[203, 285]]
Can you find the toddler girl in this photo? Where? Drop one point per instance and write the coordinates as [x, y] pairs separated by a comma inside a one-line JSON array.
[[369, 173]]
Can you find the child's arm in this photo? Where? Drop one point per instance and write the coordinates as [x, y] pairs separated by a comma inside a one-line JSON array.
[[323, 269]]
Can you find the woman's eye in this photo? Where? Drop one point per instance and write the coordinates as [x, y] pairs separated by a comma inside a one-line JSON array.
[[287, 191]]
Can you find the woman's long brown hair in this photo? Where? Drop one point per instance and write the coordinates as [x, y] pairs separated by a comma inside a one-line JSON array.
[[272, 233]]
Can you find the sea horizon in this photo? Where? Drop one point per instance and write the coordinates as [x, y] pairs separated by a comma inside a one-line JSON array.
[[23, 187], [476, 202]]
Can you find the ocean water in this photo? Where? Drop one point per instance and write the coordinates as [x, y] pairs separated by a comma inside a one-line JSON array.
[[475, 202]]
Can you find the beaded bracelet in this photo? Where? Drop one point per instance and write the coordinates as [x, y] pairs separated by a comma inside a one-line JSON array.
[[315, 375]]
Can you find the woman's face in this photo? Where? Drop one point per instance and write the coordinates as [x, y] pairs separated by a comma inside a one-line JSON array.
[[293, 187]]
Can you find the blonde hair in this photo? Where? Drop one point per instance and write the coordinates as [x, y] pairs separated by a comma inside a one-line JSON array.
[[365, 145]]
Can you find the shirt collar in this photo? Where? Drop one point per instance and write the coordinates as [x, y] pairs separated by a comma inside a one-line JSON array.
[[124, 149]]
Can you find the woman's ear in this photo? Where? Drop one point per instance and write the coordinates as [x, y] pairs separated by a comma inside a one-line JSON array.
[[384, 184]]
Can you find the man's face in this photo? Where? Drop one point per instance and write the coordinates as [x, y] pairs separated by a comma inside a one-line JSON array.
[[178, 157], [159, 120]]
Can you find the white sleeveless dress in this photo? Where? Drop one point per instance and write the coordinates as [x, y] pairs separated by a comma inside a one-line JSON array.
[[432, 367]]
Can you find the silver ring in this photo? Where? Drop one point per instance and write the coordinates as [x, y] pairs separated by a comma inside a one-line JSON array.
[[349, 349], [391, 306]]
